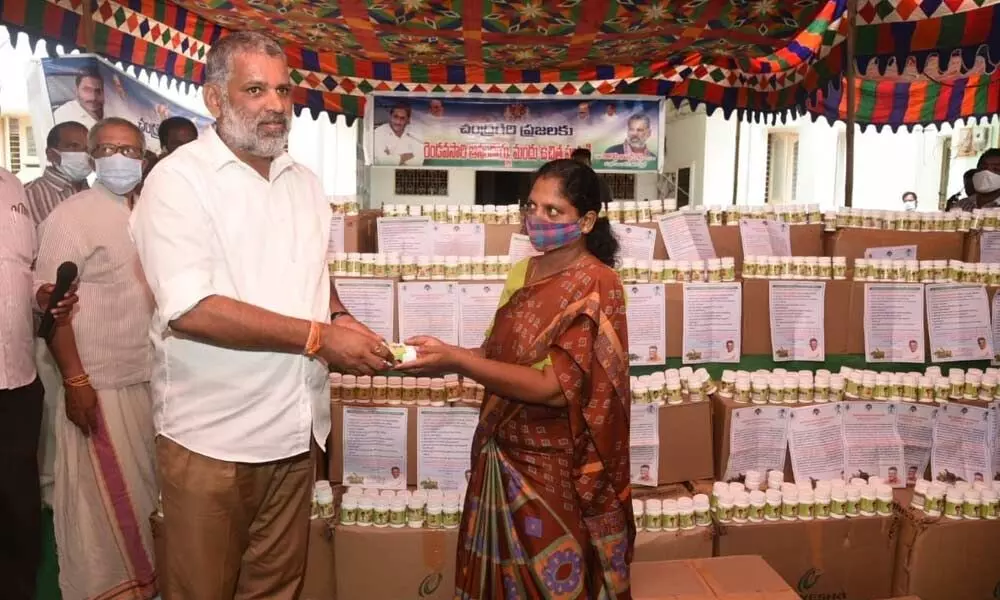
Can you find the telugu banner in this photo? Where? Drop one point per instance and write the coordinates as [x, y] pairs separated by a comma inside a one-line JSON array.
[[406, 130], [86, 88]]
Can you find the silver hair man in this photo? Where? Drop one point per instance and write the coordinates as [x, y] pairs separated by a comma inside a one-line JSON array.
[[256, 122]]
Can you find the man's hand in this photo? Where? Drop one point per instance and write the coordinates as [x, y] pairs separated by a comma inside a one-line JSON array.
[[81, 408], [349, 322], [348, 350], [64, 308], [405, 157]]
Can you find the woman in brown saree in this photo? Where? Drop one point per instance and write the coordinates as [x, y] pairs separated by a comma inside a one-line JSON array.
[[548, 510]]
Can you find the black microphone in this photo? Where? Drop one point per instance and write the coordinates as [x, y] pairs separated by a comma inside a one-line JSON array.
[[65, 276]]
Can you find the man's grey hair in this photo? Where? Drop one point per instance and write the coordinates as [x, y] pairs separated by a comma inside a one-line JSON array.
[[219, 61], [105, 122]]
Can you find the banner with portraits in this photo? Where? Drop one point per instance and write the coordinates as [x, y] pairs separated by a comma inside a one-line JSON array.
[[86, 88], [623, 133]]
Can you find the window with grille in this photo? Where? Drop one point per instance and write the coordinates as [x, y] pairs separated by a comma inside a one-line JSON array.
[[622, 185], [782, 173], [421, 182], [14, 144]]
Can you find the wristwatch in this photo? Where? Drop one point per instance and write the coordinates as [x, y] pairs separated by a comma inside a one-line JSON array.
[[340, 313]]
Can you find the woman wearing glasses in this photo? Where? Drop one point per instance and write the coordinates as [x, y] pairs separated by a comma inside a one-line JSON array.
[[548, 510]]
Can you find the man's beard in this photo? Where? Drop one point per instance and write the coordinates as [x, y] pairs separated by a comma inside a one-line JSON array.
[[240, 130]]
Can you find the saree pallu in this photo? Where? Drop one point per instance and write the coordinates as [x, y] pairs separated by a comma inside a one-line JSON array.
[[548, 510]]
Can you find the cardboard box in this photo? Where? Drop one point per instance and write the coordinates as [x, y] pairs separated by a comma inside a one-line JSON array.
[[335, 444], [722, 416], [319, 581], [942, 559], [674, 545], [847, 559], [733, 578], [931, 245], [395, 564], [806, 240], [360, 232], [674, 301], [685, 442], [498, 238], [837, 317]]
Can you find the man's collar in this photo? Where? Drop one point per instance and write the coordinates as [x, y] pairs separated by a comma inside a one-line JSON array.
[[99, 187], [55, 176], [220, 155]]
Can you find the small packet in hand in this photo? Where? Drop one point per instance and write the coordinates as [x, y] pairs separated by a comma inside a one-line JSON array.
[[403, 353]]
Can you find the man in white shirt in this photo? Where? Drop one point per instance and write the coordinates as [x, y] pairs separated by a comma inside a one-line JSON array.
[[395, 142], [21, 394], [232, 235], [87, 107]]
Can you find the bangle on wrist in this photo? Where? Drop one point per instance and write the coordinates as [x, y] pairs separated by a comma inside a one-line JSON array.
[[315, 339], [77, 381]]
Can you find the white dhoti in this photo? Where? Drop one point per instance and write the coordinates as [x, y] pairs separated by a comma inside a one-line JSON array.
[[105, 491], [48, 372]]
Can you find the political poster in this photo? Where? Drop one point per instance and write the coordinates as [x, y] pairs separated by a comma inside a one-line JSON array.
[[86, 88], [513, 132]]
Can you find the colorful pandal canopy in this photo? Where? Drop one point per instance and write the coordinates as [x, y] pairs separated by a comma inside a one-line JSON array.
[[752, 56]]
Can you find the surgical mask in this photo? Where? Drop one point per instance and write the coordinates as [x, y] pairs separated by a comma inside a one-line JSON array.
[[985, 182], [546, 236], [118, 173], [75, 165]]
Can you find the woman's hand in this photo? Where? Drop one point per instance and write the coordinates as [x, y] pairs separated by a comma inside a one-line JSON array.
[[434, 357]]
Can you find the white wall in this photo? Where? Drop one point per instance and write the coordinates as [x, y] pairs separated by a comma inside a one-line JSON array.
[[717, 163], [461, 188], [886, 165], [685, 147]]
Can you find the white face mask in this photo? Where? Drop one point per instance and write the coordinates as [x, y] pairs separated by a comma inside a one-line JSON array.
[[118, 173], [75, 165], [985, 182]]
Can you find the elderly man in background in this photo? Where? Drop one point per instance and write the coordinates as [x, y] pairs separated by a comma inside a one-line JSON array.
[[105, 480], [70, 165], [232, 234], [21, 394]]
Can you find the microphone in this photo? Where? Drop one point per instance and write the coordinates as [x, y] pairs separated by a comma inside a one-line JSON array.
[[65, 276]]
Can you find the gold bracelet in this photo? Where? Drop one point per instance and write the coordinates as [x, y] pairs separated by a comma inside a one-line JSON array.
[[315, 340], [77, 381]]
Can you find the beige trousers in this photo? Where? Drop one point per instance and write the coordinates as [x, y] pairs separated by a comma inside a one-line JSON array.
[[233, 530]]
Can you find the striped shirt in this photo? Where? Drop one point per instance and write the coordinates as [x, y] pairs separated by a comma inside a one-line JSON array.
[[46, 192], [111, 322]]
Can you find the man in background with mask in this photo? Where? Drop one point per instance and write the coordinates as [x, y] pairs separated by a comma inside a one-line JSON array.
[[70, 164], [66, 150], [985, 182], [105, 479]]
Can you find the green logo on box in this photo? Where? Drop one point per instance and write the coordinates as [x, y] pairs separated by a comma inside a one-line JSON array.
[[808, 581], [430, 584]]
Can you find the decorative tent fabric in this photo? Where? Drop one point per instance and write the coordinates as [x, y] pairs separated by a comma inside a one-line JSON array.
[[896, 103], [756, 56]]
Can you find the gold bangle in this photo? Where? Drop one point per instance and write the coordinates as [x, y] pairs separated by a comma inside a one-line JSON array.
[[77, 381]]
